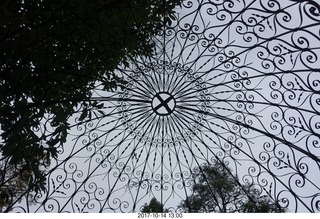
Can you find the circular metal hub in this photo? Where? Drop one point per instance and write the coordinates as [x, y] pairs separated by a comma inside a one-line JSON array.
[[163, 104]]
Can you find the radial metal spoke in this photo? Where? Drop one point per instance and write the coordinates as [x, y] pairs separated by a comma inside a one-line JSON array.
[[234, 82]]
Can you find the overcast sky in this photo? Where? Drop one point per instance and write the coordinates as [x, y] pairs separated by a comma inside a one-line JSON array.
[[237, 83]]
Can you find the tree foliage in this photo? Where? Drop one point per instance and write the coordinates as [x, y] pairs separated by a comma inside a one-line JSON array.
[[215, 189], [52, 55], [154, 207], [14, 183]]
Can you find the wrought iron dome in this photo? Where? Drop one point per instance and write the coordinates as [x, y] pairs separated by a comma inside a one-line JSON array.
[[230, 81]]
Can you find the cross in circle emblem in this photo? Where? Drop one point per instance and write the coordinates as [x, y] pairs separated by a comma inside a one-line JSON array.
[[163, 103]]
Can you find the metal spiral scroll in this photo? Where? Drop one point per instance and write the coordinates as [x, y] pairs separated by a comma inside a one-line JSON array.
[[236, 81]]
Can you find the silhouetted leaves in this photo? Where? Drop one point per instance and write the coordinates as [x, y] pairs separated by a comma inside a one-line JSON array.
[[154, 206], [52, 55], [215, 189]]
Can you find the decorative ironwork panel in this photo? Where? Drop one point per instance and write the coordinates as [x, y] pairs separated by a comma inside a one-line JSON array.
[[230, 81]]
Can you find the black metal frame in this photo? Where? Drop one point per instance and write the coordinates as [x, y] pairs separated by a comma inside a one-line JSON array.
[[243, 80]]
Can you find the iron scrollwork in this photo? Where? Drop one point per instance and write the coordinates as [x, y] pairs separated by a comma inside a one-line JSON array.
[[234, 81]]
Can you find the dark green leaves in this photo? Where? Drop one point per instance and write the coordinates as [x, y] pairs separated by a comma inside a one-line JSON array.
[[215, 189], [52, 55], [154, 206]]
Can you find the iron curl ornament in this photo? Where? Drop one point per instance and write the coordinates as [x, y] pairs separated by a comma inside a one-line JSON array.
[[232, 81]]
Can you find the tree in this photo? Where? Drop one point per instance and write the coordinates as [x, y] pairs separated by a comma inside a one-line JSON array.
[[52, 56], [261, 204], [14, 183], [215, 189], [154, 207]]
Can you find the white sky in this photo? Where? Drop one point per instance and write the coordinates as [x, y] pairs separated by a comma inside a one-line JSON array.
[[131, 144]]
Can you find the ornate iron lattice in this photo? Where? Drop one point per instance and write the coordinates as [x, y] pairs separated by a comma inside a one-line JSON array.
[[235, 81]]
